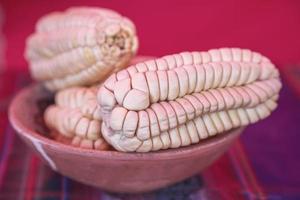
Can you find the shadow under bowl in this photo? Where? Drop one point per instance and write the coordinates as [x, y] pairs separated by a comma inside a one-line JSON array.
[[110, 170]]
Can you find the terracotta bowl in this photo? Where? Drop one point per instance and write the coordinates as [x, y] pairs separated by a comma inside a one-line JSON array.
[[110, 170]]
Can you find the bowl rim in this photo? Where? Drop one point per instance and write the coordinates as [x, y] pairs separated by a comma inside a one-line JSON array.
[[169, 154]]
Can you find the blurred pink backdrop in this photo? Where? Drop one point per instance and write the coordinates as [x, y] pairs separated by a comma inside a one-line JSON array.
[[270, 27]]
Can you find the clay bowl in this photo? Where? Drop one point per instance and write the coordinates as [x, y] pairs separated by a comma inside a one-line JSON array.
[[110, 170]]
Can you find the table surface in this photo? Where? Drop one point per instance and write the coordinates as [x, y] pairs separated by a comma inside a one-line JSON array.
[[263, 163]]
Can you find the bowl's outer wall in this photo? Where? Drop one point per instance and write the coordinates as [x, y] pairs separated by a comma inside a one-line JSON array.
[[113, 171]]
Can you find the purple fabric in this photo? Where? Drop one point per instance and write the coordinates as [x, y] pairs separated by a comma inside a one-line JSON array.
[[273, 148]]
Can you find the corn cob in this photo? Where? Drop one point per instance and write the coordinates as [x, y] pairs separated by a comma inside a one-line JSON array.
[[80, 46], [181, 99], [75, 118]]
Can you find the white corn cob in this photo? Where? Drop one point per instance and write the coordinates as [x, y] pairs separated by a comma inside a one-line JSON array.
[[180, 99], [75, 118], [80, 46]]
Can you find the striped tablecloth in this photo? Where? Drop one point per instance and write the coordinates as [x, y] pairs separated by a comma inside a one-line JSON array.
[[263, 164]]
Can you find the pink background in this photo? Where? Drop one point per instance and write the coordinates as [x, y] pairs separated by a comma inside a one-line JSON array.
[[270, 27]]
